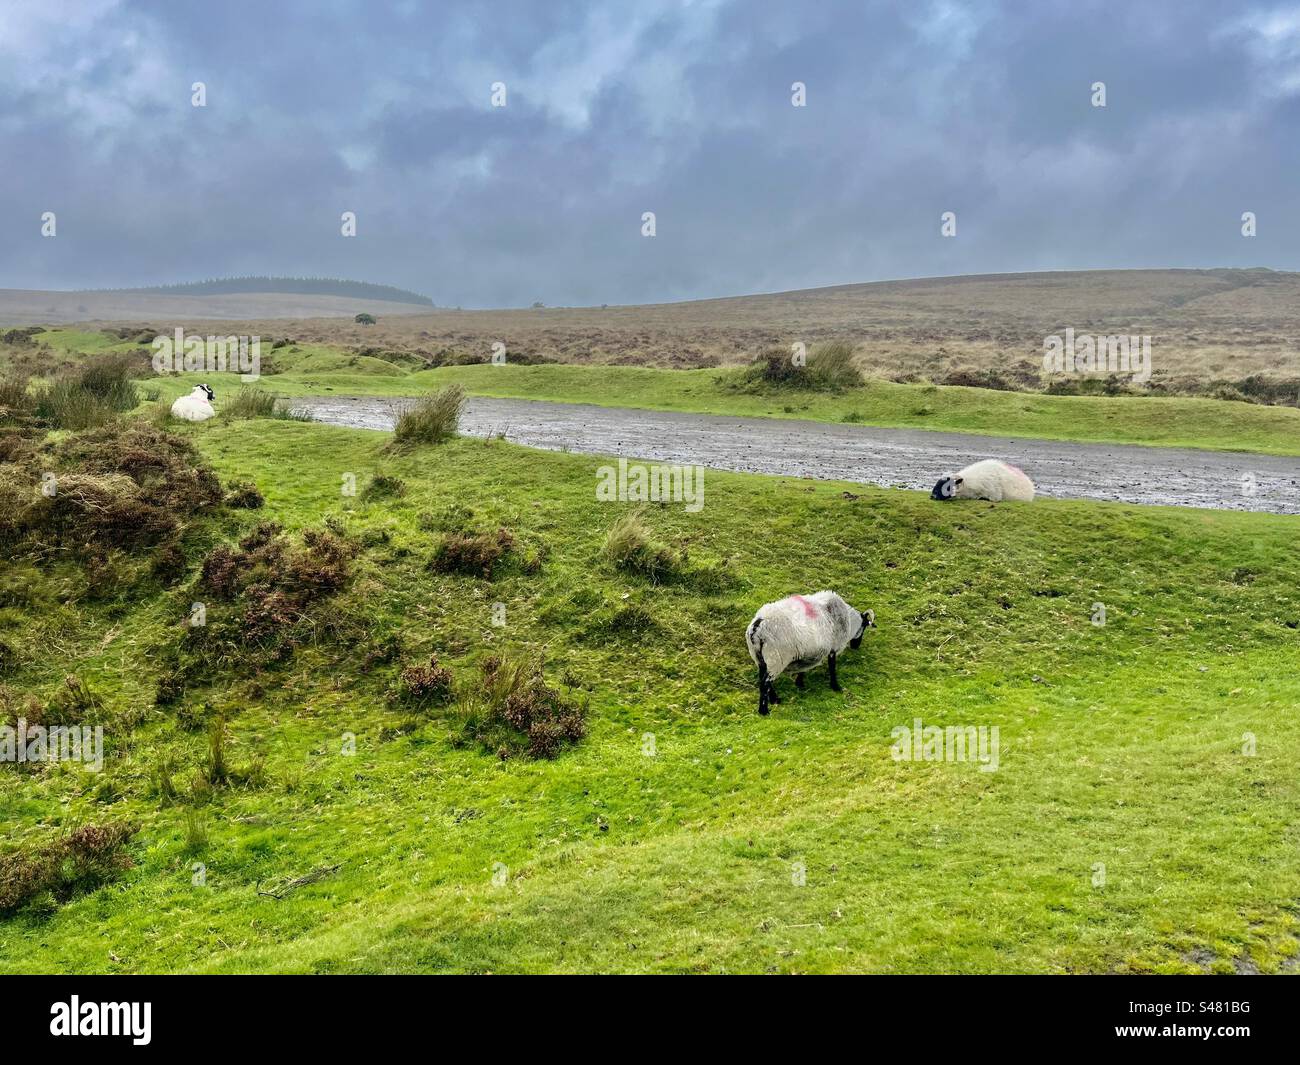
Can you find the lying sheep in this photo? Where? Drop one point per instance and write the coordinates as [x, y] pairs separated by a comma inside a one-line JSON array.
[[989, 479], [197, 406], [798, 633]]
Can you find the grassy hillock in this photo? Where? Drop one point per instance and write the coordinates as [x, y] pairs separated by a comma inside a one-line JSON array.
[[324, 776]]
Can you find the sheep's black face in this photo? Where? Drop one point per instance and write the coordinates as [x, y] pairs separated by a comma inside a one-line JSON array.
[[868, 622], [211, 395], [946, 488]]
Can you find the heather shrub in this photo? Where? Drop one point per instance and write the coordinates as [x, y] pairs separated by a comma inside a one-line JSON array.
[[425, 685], [78, 862], [472, 554], [512, 710]]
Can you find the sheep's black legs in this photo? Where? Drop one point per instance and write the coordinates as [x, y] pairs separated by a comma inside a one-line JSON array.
[[835, 681], [798, 680], [772, 697], [764, 684]]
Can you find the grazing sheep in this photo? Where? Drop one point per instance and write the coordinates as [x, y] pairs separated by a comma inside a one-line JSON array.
[[798, 633], [197, 406], [989, 479]]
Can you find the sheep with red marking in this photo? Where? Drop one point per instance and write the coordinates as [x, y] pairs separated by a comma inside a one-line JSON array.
[[800, 632]]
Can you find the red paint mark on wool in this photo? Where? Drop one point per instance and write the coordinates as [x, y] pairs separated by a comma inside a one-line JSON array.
[[808, 608]]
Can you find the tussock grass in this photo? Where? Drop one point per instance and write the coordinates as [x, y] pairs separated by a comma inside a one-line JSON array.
[[631, 547], [252, 402], [196, 832], [249, 403], [829, 367], [93, 395], [430, 419]]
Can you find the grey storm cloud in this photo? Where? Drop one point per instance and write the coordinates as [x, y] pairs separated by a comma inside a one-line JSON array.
[[680, 108]]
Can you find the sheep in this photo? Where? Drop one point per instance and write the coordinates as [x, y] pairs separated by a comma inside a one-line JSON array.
[[990, 479], [798, 633], [197, 406]]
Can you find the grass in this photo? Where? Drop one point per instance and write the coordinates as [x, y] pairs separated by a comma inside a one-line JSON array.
[[828, 367], [1125, 831], [92, 394], [629, 546], [430, 419], [249, 403]]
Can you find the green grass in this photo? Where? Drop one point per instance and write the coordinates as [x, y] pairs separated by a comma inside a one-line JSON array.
[[1120, 745], [91, 341]]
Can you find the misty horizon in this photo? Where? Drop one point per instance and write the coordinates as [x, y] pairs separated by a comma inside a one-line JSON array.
[[163, 288]]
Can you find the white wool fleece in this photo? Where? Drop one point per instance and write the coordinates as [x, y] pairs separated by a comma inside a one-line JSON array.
[[800, 631], [994, 480], [194, 408]]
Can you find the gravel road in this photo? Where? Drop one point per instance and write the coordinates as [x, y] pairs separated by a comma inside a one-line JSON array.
[[908, 458]]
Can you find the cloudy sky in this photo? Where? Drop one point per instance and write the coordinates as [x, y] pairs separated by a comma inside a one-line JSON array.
[[316, 107]]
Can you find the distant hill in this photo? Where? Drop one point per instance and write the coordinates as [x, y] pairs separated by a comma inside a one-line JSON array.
[[181, 304], [311, 286], [1207, 326]]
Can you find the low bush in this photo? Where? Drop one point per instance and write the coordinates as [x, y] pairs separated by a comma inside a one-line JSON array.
[[1275, 391], [978, 379], [21, 336], [276, 594], [1110, 385], [127, 486]]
